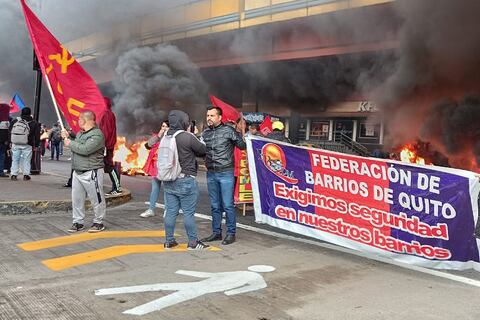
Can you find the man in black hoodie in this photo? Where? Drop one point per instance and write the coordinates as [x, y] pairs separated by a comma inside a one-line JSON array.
[[22, 148], [183, 192]]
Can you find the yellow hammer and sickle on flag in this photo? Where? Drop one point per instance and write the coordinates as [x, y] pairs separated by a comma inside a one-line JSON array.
[[74, 102], [62, 59]]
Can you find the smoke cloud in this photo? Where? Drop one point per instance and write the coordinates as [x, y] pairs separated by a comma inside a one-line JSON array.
[[437, 59], [152, 81]]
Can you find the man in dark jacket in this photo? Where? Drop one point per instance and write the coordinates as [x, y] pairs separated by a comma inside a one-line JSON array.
[[4, 136], [55, 137], [108, 125], [220, 140], [182, 193], [278, 132], [87, 163], [22, 150]]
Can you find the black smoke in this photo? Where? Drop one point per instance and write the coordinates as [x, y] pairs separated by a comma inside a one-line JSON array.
[[435, 66], [152, 81], [454, 125]]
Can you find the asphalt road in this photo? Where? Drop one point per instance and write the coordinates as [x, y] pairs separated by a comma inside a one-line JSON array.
[[60, 278]]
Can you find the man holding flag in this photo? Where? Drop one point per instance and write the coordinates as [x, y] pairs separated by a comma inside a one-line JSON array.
[[77, 96]]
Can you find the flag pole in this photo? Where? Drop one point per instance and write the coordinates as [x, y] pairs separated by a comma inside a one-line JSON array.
[[54, 103]]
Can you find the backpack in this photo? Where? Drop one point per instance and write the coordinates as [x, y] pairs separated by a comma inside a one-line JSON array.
[[56, 136], [168, 166], [20, 131]]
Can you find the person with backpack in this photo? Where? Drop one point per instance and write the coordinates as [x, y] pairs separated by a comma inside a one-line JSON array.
[[150, 168], [177, 167], [24, 136], [55, 137]]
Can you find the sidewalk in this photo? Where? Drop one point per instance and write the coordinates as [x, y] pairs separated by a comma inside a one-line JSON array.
[[44, 193]]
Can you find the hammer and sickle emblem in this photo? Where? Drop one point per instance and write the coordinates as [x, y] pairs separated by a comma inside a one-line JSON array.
[[62, 59], [74, 102]]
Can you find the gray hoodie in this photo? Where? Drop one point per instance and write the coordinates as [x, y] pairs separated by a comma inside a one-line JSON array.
[[188, 146]]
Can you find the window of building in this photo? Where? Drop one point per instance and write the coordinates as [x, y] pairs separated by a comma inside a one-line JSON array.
[[369, 130], [319, 130], [302, 130]]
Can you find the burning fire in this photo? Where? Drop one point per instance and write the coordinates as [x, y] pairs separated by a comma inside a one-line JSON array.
[[409, 154], [131, 157]]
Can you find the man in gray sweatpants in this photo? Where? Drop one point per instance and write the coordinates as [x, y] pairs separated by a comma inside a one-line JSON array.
[[87, 163]]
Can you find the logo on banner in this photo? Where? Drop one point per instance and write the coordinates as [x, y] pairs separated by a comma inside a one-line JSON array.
[[274, 160]]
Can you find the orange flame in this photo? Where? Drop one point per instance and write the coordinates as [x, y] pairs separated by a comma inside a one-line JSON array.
[[408, 154], [131, 157]]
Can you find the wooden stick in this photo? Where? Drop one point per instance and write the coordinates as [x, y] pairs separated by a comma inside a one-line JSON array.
[[54, 102]]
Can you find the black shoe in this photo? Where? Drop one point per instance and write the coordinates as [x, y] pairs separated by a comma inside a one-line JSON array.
[[14, 178], [212, 237], [199, 245], [96, 227], [170, 245], [26, 177], [4, 175], [76, 227], [67, 185], [229, 239]]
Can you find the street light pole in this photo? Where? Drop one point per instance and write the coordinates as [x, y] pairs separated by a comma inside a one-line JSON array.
[[38, 88], [36, 162]]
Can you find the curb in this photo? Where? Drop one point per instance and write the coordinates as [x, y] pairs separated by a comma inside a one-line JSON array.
[[57, 206]]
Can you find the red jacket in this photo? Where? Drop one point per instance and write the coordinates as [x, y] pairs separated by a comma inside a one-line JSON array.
[[108, 125], [150, 167]]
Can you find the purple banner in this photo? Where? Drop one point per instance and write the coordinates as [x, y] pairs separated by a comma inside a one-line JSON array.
[[424, 215]]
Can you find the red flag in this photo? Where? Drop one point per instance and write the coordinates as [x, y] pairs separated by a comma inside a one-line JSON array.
[[266, 126], [229, 113], [73, 88]]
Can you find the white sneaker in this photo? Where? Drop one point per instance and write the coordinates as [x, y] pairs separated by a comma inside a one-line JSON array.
[[147, 213]]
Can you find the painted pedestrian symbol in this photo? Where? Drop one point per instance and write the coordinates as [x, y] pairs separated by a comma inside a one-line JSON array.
[[230, 283]]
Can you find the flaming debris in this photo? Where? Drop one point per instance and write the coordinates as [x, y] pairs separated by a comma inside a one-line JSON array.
[[409, 154], [132, 157]]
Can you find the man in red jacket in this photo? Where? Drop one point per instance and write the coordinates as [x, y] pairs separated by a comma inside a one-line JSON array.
[[108, 125]]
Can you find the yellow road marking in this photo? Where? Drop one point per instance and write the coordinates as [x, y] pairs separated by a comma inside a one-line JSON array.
[[75, 260], [82, 237]]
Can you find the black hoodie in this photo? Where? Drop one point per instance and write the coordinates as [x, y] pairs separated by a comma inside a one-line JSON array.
[[188, 146]]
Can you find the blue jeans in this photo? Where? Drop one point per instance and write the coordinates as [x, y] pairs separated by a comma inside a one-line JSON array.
[[3, 150], [155, 192], [220, 190], [24, 153], [181, 194], [54, 149]]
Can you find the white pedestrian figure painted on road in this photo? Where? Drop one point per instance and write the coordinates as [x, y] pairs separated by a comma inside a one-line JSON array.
[[230, 283]]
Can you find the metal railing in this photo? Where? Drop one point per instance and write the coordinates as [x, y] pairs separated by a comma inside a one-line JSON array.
[[356, 147]]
